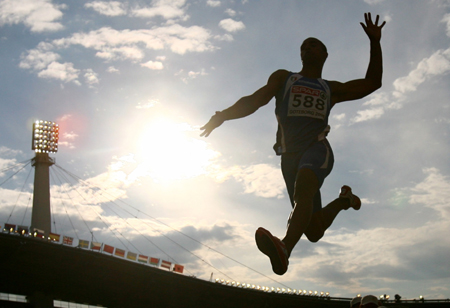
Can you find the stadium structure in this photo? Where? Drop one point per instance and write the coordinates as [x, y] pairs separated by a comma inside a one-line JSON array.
[[43, 269]]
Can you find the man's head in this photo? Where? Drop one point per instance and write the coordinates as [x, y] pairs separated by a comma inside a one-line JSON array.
[[313, 51], [355, 302], [370, 301]]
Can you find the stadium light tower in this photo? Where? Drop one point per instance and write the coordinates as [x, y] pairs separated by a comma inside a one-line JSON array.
[[44, 141]]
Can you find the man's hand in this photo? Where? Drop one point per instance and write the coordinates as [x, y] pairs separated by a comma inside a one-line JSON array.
[[372, 30], [215, 121]]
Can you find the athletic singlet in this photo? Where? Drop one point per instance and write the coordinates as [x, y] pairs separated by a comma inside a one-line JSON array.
[[302, 110]]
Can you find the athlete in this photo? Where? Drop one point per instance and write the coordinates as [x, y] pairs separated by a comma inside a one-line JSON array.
[[303, 104]]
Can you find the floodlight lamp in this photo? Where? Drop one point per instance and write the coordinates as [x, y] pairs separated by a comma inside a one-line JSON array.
[[45, 137]]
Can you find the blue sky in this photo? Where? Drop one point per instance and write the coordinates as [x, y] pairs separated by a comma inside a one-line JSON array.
[[131, 82]]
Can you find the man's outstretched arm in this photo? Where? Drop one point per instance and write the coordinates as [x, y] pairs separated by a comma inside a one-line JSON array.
[[247, 104], [360, 88]]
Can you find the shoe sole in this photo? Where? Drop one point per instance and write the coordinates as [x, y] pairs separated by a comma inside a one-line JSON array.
[[266, 245]]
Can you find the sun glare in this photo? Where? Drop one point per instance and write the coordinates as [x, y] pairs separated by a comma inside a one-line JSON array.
[[169, 152]]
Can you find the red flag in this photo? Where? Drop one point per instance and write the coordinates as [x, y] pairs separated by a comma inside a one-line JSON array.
[[22, 230], [154, 261], [143, 258], [178, 268], [10, 227], [166, 264], [38, 233], [108, 249], [68, 240], [96, 246], [120, 253]]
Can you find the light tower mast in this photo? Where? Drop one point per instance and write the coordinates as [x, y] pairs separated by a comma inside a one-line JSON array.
[[45, 141]]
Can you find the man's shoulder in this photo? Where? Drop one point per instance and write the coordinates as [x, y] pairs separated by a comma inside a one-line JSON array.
[[281, 73]]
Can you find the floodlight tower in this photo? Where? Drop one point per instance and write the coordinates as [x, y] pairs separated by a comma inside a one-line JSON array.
[[45, 141]]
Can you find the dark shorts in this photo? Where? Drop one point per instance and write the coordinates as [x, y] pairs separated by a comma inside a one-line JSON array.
[[318, 157]]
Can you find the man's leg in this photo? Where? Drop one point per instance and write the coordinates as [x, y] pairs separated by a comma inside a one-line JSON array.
[[323, 219], [306, 186]]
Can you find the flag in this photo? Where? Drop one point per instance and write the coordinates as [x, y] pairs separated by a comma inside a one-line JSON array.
[[54, 237], [83, 244], [22, 230], [68, 240], [108, 249], [166, 264], [178, 268], [38, 233], [131, 256], [120, 253], [96, 246], [10, 228], [154, 261], [143, 258]]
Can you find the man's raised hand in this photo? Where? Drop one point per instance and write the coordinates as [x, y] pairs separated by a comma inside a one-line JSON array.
[[372, 30]]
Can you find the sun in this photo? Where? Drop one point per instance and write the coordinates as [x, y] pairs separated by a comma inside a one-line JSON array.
[[172, 151]]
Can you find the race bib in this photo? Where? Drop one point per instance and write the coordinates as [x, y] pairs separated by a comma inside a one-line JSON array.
[[307, 102]]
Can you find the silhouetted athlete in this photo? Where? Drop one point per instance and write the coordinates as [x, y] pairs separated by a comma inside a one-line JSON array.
[[303, 104]]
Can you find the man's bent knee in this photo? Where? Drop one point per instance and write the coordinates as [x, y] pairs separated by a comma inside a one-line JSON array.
[[314, 235], [315, 230]]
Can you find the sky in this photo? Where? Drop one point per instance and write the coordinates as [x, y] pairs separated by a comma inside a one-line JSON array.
[[130, 83]]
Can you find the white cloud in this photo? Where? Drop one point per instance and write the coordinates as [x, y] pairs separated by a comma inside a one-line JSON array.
[[91, 77], [111, 43], [37, 59], [213, 3], [112, 69], [368, 114], [446, 20], [62, 71], [168, 9], [231, 25], [153, 65], [437, 64], [339, 117], [108, 8], [433, 192], [262, 180], [38, 15], [373, 2], [230, 12]]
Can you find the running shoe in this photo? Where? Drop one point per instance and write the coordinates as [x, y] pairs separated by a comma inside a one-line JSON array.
[[346, 192], [274, 248]]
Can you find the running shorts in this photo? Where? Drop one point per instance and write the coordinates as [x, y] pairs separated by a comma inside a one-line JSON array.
[[318, 157]]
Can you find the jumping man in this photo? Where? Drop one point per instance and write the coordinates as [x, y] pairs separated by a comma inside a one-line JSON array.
[[303, 104]]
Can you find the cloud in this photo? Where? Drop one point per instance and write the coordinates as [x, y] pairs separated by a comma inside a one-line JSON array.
[[433, 192], [231, 25], [91, 77], [213, 3], [124, 44], [37, 59], [263, 180], [38, 15], [437, 64], [153, 65], [167, 9], [373, 2], [230, 12], [112, 69], [62, 71], [111, 44], [446, 20], [108, 8]]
